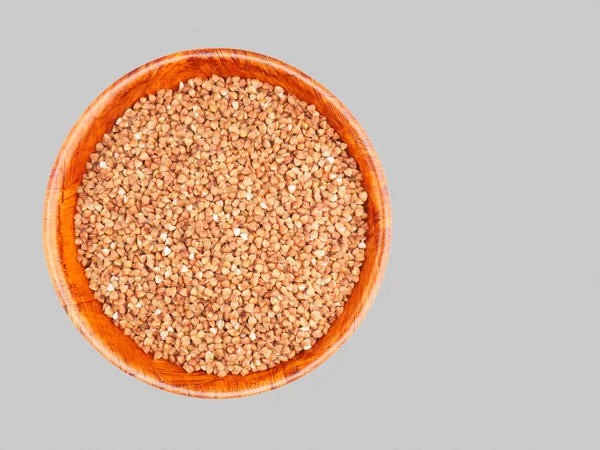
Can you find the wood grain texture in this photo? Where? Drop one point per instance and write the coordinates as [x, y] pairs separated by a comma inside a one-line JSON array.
[[67, 274]]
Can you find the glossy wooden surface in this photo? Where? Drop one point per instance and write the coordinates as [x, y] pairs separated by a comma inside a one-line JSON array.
[[58, 228]]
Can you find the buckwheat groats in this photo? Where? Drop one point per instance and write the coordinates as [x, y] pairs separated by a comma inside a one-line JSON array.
[[222, 225]]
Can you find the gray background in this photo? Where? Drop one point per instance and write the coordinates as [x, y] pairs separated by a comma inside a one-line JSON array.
[[485, 333]]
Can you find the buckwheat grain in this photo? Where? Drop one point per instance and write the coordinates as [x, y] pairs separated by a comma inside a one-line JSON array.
[[222, 225]]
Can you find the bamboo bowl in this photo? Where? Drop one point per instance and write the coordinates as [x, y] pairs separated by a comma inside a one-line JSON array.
[[67, 273]]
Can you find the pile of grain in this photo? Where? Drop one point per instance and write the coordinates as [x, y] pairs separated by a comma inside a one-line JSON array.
[[222, 225]]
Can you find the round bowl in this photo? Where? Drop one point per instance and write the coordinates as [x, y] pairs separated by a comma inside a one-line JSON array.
[[67, 273]]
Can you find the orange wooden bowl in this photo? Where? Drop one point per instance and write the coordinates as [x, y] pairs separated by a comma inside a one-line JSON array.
[[67, 273]]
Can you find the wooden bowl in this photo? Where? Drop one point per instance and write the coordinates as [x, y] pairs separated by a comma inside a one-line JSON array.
[[67, 273]]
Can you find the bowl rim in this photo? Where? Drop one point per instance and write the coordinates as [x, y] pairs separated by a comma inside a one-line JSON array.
[[52, 238]]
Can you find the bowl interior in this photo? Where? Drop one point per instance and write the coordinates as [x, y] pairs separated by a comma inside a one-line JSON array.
[[61, 196]]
